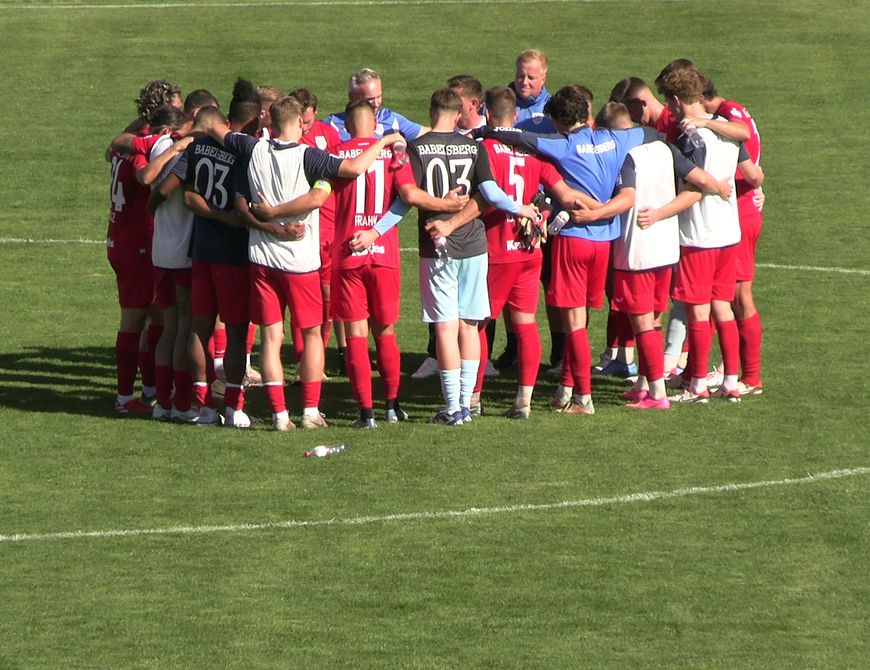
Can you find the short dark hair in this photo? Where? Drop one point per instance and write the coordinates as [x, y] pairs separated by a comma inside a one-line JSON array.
[[445, 100], [709, 91], [198, 99], [570, 105], [306, 97], [626, 89], [167, 116], [468, 86], [613, 115], [501, 101]]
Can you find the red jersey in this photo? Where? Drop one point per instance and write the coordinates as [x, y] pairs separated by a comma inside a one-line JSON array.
[[667, 124], [362, 201], [323, 136], [518, 174], [130, 222], [732, 110]]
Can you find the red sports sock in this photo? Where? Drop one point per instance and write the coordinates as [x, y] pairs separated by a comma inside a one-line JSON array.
[[652, 356], [700, 341], [359, 371], [581, 360], [326, 328], [729, 344], [163, 382], [126, 361], [389, 364], [612, 329], [567, 377], [146, 358], [202, 394], [750, 349], [298, 342], [311, 393], [252, 335], [183, 381], [528, 353], [275, 396], [218, 343], [484, 357], [626, 333], [234, 397]]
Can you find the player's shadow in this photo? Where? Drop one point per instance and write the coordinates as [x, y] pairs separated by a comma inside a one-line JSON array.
[[55, 379]]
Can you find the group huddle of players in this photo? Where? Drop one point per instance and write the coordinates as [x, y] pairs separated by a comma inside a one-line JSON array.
[[224, 221]]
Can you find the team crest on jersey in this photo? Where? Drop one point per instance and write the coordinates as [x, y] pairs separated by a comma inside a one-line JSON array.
[[320, 141], [379, 130]]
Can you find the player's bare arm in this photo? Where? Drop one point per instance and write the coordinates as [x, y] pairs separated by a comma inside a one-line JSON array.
[[298, 207], [647, 216], [618, 204], [354, 167], [733, 129], [572, 198], [200, 206], [417, 197], [709, 184], [752, 172], [160, 194], [148, 174], [290, 231]]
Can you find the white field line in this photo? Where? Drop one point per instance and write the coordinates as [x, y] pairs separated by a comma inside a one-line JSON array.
[[772, 266], [644, 497], [300, 3]]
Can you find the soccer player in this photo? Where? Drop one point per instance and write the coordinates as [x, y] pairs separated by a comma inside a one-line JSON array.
[[367, 281], [266, 95], [529, 84], [366, 85], [749, 203], [709, 233], [285, 256], [453, 259], [219, 275]]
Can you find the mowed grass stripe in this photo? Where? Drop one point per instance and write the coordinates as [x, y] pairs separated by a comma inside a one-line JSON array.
[[641, 497]]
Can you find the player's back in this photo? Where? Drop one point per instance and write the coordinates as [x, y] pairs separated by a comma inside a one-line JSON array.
[[443, 161], [130, 222]]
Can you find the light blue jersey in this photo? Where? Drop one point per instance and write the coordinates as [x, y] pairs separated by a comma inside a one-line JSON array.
[[388, 122]]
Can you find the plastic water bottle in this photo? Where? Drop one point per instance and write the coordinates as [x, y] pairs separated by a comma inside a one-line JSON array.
[[325, 450], [400, 153], [694, 136], [558, 223]]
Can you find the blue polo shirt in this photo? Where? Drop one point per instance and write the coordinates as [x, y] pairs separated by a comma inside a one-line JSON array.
[[388, 122]]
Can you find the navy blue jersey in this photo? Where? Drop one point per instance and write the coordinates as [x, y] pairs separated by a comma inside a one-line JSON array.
[[206, 168]]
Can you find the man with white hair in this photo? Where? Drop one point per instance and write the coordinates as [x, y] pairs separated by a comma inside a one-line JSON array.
[[366, 85]]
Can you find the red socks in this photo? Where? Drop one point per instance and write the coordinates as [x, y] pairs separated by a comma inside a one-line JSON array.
[[577, 342], [359, 371], [126, 361], [528, 353], [183, 389], [275, 396], [252, 335], [234, 398], [652, 357], [729, 345], [700, 341], [311, 393], [484, 357], [389, 364], [163, 382], [750, 349]]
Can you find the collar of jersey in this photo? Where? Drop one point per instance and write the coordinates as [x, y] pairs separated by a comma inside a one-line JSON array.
[[279, 144]]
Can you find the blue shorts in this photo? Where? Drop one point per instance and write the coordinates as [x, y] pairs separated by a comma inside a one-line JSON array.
[[454, 290]]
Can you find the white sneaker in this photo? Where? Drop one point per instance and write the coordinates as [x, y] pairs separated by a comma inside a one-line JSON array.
[[177, 416], [428, 368], [208, 416], [313, 422], [715, 377], [282, 425], [160, 414], [252, 378], [491, 370], [236, 418]]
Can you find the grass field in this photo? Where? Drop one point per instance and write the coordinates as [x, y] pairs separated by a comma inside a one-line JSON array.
[[424, 547]]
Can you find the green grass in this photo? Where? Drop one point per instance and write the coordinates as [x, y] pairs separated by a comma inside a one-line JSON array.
[[768, 577]]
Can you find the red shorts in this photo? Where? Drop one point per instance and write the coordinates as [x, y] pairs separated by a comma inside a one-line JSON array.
[[750, 229], [367, 291], [579, 272], [642, 292], [135, 277], [272, 290], [218, 288], [325, 261], [514, 284], [166, 282], [704, 275]]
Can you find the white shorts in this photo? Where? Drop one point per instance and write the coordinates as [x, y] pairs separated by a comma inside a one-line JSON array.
[[454, 290]]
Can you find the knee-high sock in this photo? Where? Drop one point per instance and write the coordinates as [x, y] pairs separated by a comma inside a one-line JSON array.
[[750, 348], [126, 361], [484, 357], [581, 360], [183, 381], [652, 357], [163, 383], [626, 334], [311, 393], [359, 370], [146, 358], [275, 396], [467, 377], [528, 353], [389, 364], [567, 377], [700, 341], [729, 344], [234, 396]]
